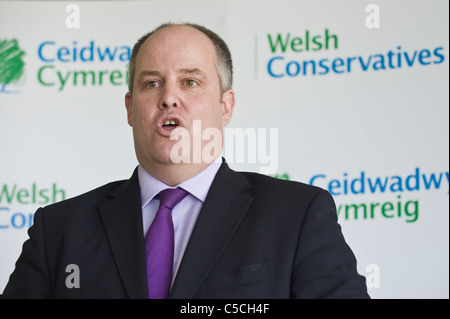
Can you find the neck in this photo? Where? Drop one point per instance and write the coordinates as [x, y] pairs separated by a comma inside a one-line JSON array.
[[174, 174]]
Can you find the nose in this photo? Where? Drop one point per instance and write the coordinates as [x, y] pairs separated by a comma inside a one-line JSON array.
[[169, 96]]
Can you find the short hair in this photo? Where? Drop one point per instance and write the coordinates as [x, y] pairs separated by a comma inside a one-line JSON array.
[[224, 64]]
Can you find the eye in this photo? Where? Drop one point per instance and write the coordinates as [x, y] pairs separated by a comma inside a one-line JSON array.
[[190, 83], [151, 84]]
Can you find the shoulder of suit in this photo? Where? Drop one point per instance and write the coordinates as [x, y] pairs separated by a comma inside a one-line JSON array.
[[264, 181], [87, 200], [267, 190]]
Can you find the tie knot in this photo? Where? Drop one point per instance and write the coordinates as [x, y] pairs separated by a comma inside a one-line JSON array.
[[170, 197]]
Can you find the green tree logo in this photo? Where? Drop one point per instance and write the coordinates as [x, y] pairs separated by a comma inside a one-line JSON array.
[[11, 63]]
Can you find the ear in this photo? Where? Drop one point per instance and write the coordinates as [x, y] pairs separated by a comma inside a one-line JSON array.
[[129, 108], [228, 102]]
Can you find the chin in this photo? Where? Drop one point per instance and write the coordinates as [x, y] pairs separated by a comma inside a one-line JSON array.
[[162, 154]]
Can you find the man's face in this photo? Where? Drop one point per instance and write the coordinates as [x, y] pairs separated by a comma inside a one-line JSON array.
[[176, 81]]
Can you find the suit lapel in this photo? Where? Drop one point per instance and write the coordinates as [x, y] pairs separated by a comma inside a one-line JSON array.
[[122, 219], [221, 214]]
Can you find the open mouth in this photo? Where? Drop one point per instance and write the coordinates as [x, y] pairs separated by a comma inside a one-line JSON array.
[[170, 123]]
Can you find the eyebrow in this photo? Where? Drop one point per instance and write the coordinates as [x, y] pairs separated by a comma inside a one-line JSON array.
[[194, 71], [148, 73]]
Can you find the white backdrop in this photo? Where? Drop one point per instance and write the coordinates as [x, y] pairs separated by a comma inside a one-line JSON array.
[[360, 106]]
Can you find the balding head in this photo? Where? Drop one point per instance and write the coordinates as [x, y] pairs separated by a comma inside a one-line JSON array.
[[223, 62]]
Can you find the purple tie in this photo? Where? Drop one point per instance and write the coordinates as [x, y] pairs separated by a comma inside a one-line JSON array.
[[159, 245]]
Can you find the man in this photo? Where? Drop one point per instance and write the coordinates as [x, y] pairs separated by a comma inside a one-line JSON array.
[[232, 235]]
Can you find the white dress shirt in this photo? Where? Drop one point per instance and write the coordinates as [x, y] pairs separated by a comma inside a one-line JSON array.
[[185, 213]]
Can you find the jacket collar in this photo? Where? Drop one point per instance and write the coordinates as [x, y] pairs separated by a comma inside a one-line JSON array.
[[122, 219]]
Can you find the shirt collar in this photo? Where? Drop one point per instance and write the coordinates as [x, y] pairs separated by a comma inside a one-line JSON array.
[[198, 186]]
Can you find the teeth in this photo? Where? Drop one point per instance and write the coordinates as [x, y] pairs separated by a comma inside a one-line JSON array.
[[170, 122]]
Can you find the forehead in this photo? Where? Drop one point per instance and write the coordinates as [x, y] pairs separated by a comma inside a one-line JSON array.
[[178, 47]]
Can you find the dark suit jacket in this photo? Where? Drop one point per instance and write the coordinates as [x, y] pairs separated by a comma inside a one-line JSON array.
[[255, 237]]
